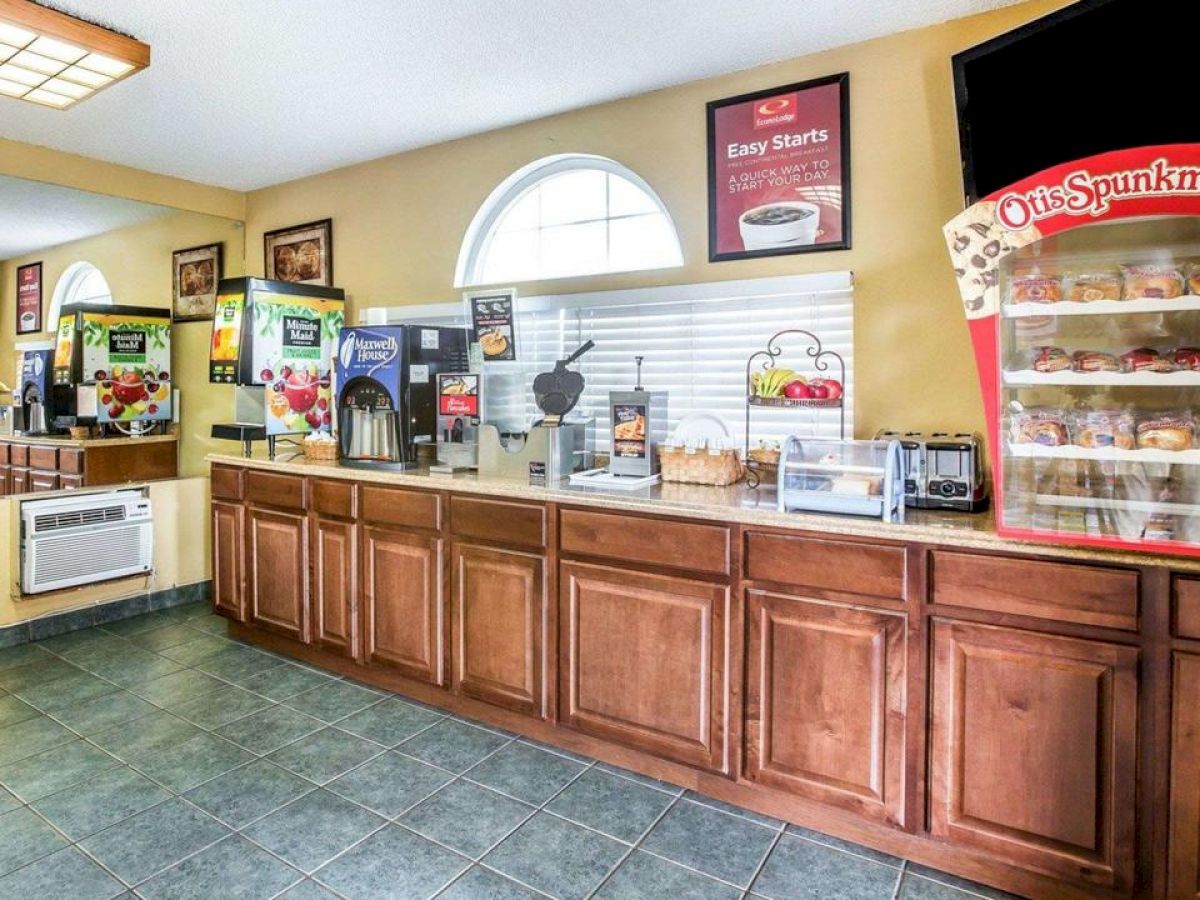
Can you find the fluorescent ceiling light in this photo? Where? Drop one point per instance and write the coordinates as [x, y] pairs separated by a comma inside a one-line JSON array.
[[56, 60]]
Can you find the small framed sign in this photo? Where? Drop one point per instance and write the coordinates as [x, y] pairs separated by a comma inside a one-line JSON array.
[[196, 272], [29, 298], [779, 170], [302, 253], [494, 314]]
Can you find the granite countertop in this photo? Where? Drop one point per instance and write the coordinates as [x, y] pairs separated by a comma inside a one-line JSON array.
[[47, 440], [736, 503]]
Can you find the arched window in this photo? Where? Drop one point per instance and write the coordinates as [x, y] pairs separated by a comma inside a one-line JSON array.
[[80, 283], [566, 215]]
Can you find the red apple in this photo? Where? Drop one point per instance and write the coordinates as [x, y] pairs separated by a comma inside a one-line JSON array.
[[831, 386], [301, 391], [797, 390], [818, 390]]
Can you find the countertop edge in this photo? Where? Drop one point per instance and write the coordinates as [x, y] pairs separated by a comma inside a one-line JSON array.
[[976, 533]]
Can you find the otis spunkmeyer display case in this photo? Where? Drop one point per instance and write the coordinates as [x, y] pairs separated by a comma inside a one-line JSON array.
[[1082, 292]]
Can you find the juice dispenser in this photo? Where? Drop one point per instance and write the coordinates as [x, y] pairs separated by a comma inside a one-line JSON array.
[[274, 340]]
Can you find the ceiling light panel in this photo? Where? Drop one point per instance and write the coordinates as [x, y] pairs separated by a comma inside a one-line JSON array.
[[56, 60]]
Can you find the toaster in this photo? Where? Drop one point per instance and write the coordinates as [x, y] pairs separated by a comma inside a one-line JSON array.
[[942, 470]]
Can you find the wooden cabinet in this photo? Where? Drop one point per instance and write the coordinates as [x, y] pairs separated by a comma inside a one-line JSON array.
[[5, 480], [644, 661], [228, 559], [335, 585], [1033, 750], [404, 624], [499, 626], [42, 481], [20, 480], [277, 571], [1184, 848], [838, 740]]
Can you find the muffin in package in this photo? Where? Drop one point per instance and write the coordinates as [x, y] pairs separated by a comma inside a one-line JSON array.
[[1088, 287], [1037, 425], [1146, 359], [1104, 428], [1034, 289], [1193, 279], [1160, 282], [1094, 361], [1174, 430], [1186, 358], [1047, 359]]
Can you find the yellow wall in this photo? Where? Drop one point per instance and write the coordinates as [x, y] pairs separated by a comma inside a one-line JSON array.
[[398, 222], [181, 554], [136, 260]]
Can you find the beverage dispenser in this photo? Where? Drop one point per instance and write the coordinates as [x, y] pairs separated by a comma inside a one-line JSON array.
[[386, 378], [32, 404]]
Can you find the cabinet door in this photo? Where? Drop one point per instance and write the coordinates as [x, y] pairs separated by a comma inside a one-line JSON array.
[[404, 625], [644, 661], [228, 549], [20, 481], [1033, 750], [825, 703], [334, 585], [1184, 871], [5, 480], [499, 624], [43, 481], [277, 569]]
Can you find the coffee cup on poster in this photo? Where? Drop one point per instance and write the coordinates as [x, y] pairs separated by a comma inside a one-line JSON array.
[[784, 223]]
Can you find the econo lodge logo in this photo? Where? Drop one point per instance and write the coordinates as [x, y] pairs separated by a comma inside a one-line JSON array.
[[775, 111], [1083, 193]]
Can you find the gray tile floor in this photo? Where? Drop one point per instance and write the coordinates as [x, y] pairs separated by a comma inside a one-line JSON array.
[[156, 758]]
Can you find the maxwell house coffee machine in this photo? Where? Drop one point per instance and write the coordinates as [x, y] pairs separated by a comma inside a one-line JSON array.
[[33, 399], [386, 389]]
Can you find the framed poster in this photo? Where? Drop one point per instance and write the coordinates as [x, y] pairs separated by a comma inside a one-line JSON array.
[[779, 171], [195, 274], [302, 254], [494, 315], [29, 298]]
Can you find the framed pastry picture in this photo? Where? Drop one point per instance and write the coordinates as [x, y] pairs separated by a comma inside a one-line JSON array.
[[494, 315], [29, 298], [779, 170], [302, 254], [196, 272]]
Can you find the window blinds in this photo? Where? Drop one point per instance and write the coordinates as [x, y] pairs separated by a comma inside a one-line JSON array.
[[695, 340]]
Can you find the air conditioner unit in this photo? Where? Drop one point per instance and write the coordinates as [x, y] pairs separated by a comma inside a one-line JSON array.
[[82, 539]]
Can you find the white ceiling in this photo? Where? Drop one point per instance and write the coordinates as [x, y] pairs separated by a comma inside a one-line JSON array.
[[247, 93], [34, 216]]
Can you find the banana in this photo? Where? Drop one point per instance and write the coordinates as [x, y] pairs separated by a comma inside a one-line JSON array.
[[770, 383]]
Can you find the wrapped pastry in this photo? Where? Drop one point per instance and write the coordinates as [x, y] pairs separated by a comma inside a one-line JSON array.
[[1047, 427], [1157, 282], [1146, 359], [1104, 428], [1187, 358], [1034, 289], [1049, 359], [1094, 361], [1092, 286], [1193, 279], [1169, 431]]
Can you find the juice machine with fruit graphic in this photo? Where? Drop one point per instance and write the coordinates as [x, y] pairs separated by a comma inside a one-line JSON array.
[[112, 365], [274, 340], [1081, 286], [387, 396]]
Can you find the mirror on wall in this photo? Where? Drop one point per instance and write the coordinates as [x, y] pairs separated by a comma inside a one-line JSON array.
[[61, 245]]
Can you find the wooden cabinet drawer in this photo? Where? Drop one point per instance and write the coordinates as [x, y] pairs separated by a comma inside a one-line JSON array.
[[70, 482], [20, 455], [70, 462], [395, 506], [1061, 592], [19, 480], [852, 567], [271, 489], [331, 497], [4, 454], [521, 524], [227, 482], [43, 458], [43, 481], [1187, 607], [681, 545]]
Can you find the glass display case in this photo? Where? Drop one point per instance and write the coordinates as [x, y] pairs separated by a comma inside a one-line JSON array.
[[1082, 290], [858, 477]]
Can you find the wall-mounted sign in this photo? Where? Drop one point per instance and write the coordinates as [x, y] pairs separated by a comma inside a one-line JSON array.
[[494, 314], [29, 298], [779, 170]]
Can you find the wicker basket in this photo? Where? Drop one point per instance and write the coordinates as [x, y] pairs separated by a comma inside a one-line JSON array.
[[699, 467], [320, 451], [80, 432]]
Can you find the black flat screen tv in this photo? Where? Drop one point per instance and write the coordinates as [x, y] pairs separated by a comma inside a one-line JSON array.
[[1096, 76]]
